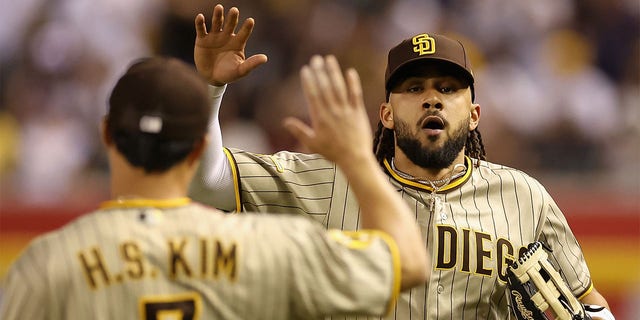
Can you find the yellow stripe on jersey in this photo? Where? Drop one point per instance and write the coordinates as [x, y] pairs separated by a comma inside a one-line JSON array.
[[352, 239], [586, 292], [276, 162], [234, 173], [419, 185], [361, 239], [397, 268], [142, 202]]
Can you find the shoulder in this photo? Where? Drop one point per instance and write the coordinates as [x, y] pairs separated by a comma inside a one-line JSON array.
[[495, 168], [54, 239], [198, 208], [488, 169], [280, 162], [44, 251], [508, 179], [280, 155], [287, 225]]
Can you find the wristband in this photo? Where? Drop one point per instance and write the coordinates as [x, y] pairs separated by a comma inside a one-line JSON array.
[[598, 311]]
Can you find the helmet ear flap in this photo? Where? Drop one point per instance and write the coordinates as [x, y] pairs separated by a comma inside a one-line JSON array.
[[537, 290]]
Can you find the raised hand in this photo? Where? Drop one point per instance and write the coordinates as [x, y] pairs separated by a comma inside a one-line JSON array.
[[340, 129], [219, 54]]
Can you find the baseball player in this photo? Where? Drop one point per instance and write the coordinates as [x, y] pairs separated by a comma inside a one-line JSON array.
[[151, 253], [476, 216]]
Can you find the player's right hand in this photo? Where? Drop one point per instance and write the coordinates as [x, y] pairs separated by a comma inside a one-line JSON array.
[[340, 129], [219, 54]]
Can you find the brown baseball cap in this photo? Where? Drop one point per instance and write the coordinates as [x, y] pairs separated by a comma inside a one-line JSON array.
[[160, 96], [427, 47]]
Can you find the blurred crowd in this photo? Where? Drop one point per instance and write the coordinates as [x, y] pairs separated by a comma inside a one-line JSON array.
[[558, 80]]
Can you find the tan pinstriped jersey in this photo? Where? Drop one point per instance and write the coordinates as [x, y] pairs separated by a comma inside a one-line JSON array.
[[478, 224], [145, 259]]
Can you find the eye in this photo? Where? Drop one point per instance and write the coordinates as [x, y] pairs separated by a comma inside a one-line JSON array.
[[445, 89], [414, 89]]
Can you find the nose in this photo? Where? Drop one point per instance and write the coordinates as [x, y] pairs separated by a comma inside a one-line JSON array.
[[432, 100]]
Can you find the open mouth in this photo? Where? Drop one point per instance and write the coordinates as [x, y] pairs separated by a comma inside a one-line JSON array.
[[433, 123]]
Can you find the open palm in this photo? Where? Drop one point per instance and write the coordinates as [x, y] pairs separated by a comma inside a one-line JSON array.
[[219, 54]]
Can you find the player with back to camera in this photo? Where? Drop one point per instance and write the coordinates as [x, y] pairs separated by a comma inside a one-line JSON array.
[[476, 216], [152, 253]]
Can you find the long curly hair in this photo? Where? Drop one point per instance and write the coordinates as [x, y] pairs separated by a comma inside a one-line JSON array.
[[384, 146]]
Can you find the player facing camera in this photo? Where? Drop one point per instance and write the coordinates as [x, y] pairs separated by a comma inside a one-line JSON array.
[[428, 52], [428, 145]]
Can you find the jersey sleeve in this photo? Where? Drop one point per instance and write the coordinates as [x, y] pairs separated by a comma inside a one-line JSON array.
[[566, 254], [284, 182], [343, 272], [213, 182]]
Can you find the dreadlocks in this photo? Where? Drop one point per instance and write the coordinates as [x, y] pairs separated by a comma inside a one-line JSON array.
[[474, 148], [383, 144]]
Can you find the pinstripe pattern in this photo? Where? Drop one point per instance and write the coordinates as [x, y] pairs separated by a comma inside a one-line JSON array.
[[117, 262], [488, 216]]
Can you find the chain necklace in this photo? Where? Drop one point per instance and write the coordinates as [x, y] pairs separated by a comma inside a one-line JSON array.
[[436, 204], [434, 184]]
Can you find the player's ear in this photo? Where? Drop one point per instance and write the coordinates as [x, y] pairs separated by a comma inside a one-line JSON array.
[[198, 150], [475, 116], [104, 134], [386, 115]]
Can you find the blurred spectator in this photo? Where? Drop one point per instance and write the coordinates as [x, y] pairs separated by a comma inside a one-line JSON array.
[[558, 82], [557, 79], [59, 60], [581, 106], [9, 137]]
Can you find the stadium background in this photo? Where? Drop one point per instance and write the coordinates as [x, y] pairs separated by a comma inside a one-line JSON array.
[[558, 80]]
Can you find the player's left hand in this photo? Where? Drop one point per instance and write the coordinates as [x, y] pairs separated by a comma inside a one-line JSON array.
[[219, 54], [340, 129]]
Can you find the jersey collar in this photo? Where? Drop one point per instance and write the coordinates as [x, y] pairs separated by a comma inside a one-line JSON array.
[[143, 202], [419, 185]]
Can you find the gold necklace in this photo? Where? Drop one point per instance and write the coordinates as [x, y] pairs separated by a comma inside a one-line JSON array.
[[436, 204], [434, 184]]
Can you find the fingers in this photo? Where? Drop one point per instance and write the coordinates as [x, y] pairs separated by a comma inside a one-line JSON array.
[[310, 91], [251, 63], [331, 85], [201, 27], [320, 90], [355, 88], [336, 78], [300, 131], [221, 24], [217, 18], [323, 82], [231, 22], [245, 31], [226, 25], [338, 120]]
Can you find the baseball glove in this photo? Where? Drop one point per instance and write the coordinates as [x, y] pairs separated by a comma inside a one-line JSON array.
[[538, 292]]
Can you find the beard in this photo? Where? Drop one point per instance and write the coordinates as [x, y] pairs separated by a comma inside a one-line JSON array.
[[423, 156]]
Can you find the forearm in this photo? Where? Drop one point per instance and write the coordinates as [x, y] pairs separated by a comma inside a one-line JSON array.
[[382, 209], [594, 297], [594, 303], [213, 183]]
